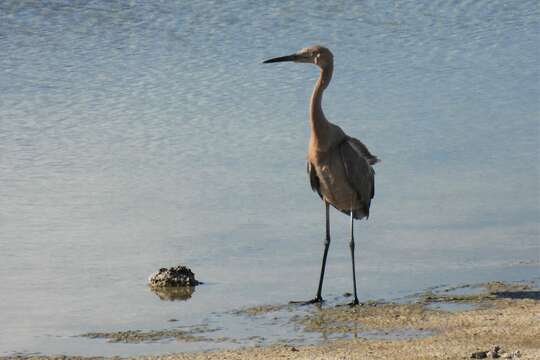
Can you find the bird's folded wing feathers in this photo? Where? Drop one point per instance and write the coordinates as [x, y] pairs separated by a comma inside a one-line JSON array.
[[363, 150], [360, 174], [313, 179]]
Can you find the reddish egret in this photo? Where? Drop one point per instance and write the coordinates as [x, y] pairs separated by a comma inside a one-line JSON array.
[[339, 166]]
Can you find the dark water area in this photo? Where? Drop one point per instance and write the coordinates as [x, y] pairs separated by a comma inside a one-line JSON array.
[[141, 134]]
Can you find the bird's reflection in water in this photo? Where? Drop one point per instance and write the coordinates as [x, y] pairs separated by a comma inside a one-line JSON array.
[[181, 293]]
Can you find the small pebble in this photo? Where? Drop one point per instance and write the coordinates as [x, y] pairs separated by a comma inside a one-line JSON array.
[[479, 355], [495, 353]]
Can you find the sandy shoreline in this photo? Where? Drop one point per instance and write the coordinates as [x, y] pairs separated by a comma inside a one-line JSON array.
[[506, 315]]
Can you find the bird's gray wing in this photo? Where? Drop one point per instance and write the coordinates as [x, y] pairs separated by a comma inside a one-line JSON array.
[[313, 179], [363, 150], [360, 174]]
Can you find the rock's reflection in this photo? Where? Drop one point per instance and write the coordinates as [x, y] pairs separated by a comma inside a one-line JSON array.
[[182, 293]]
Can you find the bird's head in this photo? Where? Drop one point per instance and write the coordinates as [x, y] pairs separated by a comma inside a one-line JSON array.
[[315, 54]]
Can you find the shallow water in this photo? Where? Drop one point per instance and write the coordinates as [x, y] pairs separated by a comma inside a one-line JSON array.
[[136, 135]]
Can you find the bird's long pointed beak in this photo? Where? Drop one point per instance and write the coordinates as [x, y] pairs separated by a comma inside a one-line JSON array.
[[292, 57]]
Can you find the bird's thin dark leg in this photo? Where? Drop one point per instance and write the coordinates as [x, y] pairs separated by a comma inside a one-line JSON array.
[[351, 246], [326, 246], [318, 298]]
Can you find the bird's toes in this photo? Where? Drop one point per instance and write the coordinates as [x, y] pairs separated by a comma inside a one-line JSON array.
[[317, 300], [353, 303]]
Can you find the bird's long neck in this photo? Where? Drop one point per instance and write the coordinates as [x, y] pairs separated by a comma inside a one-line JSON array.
[[318, 123]]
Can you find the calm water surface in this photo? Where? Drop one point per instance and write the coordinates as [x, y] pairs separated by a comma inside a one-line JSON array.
[[142, 134]]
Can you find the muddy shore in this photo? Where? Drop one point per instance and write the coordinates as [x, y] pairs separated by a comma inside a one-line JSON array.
[[453, 323]]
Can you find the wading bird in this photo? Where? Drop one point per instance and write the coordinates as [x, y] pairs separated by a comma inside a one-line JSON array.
[[339, 166]]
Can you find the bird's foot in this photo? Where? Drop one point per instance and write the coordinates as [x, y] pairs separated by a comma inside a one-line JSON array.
[[317, 300], [353, 303]]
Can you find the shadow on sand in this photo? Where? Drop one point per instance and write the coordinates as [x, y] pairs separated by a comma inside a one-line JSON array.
[[532, 294]]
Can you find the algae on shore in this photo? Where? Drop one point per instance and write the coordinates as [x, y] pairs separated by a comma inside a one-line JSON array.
[[137, 336]]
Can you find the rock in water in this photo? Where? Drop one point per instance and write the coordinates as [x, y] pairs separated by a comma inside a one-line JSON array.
[[173, 277]]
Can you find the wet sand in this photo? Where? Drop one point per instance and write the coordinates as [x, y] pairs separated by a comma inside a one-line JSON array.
[[452, 323], [505, 315]]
